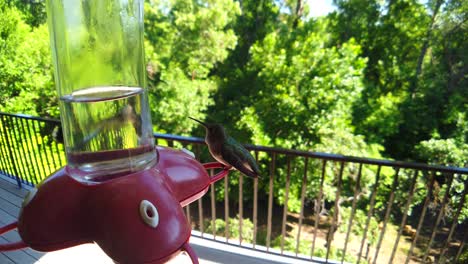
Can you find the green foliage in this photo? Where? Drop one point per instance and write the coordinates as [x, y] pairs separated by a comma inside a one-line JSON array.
[[33, 11], [463, 258], [249, 67], [451, 151], [443, 151], [185, 40], [302, 83], [414, 72], [305, 247], [290, 245], [233, 226], [448, 152], [358, 226], [26, 84], [456, 194], [305, 86]]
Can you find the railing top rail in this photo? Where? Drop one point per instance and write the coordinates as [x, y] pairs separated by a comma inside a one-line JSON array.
[[293, 152], [31, 117], [328, 156]]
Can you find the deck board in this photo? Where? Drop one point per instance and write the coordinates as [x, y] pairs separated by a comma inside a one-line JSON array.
[[13, 236], [5, 260], [6, 218], [11, 198], [10, 186], [9, 208], [18, 256]]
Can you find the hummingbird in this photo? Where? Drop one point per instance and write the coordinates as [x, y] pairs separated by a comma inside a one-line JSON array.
[[227, 151]]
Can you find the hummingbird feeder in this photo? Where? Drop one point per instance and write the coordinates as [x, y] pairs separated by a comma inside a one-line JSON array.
[[118, 189]]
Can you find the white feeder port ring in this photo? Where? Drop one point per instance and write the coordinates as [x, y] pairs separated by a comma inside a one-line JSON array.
[[149, 214]]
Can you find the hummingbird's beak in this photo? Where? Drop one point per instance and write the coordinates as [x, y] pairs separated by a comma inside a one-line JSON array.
[[196, 120]]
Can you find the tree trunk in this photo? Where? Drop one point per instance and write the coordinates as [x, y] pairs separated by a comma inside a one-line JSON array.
[[299, 11], [454, 77], [424, 48]]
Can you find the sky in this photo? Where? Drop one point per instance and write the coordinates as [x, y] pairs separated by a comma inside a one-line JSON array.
[[320, 7]]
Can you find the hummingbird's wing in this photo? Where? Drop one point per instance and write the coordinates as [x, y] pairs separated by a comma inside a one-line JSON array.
[[240, 158]]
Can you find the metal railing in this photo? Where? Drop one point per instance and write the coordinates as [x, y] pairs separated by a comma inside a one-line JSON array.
[[28, 152], [309, 205]]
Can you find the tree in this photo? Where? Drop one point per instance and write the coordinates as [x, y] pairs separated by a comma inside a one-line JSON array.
[[26, 83], [304, 92], [185, 40], [404, 100], [302, 84], [257, 19], [33, 11]]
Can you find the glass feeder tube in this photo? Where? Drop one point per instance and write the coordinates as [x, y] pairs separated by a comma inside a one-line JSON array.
[[98, 55]]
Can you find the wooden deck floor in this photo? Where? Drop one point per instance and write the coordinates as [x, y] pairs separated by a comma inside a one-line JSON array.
[[10, 203], [209, 252]]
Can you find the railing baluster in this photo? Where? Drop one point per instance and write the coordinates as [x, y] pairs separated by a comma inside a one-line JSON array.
[[34, 167], [187, 213], [43, 173], [12, 153], [170, 143], [454, 224], [197, 152], [301, 214], [18, 157], [5, 158], [226, 207], [35, 151], [421, 218], [200, 215], [213, 207], [387, 214], [439, 216], [255, 207], [44, 153], [460, 249], [49, 153], [21, 151], [353, 210], [370, 212], [54, 151], [336, 211], [7, 162], [58, 153], [241, 178], [55, 143], [31, 153], [26, 158], [270, 201], [285, 205], [405, 215], [317, 205]]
